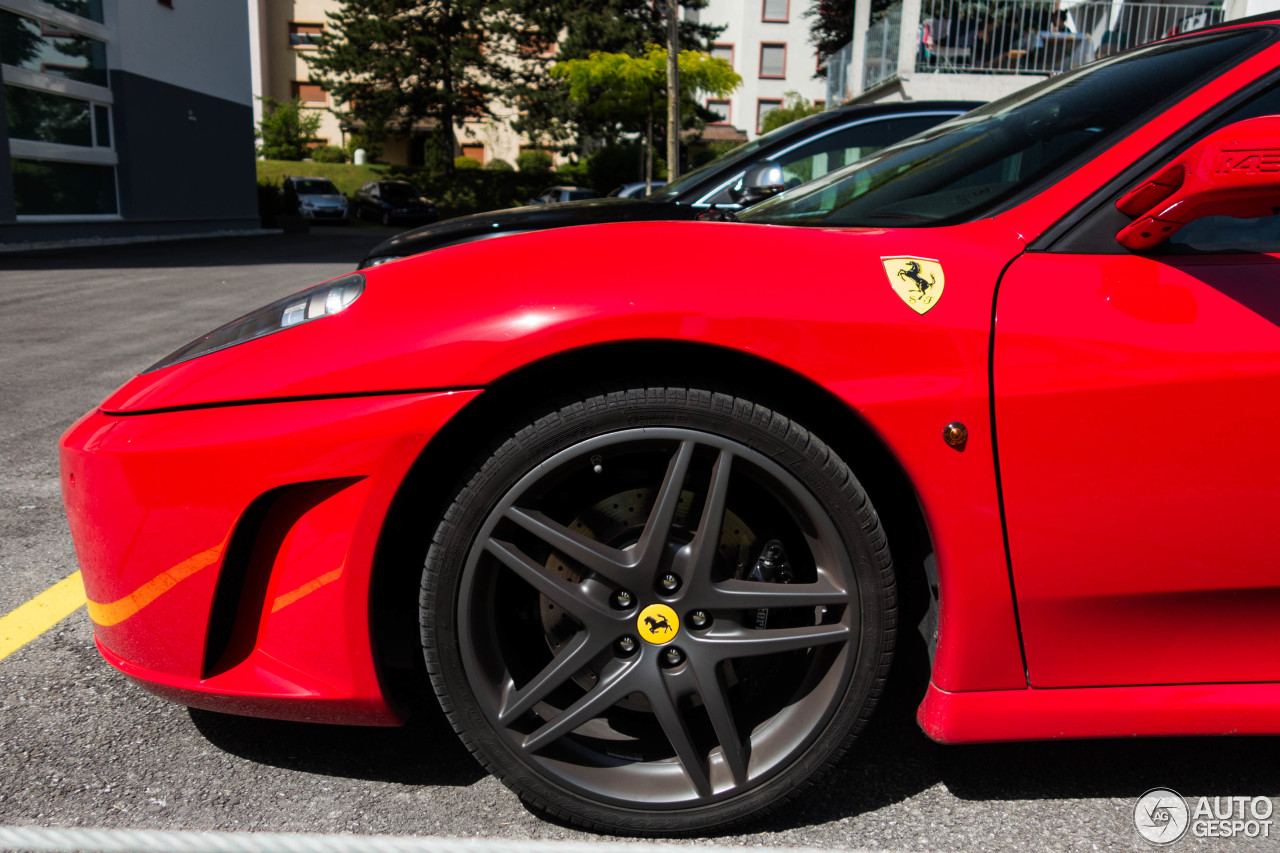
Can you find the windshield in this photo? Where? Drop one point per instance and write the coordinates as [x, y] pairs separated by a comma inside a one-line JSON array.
[[315, 188], [738, 156], [963, 169], [398, 192]]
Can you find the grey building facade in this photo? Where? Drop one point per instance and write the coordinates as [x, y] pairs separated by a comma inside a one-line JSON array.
[[123, 118]]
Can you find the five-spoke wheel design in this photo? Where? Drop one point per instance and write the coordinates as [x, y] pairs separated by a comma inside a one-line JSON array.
[[648, 627]]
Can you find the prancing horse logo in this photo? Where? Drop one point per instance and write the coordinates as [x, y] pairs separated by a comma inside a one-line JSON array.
[[912, 273], [657, 623], [917, 281]]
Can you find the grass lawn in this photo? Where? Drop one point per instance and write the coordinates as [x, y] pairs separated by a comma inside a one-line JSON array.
[[346, 177]]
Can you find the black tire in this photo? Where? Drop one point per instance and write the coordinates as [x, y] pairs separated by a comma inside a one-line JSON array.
[[526, 637]]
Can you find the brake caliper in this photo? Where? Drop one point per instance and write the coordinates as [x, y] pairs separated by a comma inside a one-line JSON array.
[[771, 566]]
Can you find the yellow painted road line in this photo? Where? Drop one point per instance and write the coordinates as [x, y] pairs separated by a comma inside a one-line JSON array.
[[306, 589], [41, 613], [108, 613]]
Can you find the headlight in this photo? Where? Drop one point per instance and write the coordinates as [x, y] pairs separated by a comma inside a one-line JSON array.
[[377, 262], [313, 303]]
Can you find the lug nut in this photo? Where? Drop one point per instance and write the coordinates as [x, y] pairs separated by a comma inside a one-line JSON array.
[[669, 582], [627, 645], [673, 656], [699, 619], [622, 599]]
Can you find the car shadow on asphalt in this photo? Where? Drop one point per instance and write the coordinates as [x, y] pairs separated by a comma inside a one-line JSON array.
[[425, 751], [893, 760]]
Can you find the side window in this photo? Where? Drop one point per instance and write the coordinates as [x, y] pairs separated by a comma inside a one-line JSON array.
[[1226, 233], [836, 150], [1096, 235]]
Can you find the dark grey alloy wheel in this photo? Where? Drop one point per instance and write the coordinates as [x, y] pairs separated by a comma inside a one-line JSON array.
[[659, 611]]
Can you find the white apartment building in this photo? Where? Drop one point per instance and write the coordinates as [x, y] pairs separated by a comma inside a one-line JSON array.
[[767, 42]]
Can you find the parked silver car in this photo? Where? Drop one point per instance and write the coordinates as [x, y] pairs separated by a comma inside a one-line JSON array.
[[316, 199]]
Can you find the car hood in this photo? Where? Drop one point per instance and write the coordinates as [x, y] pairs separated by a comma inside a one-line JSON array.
[[327, 200], [461, 317], [534, 217]]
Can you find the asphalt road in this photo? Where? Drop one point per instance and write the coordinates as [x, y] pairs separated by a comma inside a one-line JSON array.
[[82, 746]]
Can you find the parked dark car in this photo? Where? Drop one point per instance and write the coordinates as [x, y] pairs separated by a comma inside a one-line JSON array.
[[391, 202], [556, 195], [801, 151], [316, 199]]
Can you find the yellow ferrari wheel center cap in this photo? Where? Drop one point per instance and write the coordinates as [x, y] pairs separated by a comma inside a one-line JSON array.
[[658, 624]]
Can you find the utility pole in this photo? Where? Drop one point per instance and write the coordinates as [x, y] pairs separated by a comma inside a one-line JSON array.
[[673, 90]]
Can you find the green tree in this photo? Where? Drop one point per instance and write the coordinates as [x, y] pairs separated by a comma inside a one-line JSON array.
[[286, 129], [623, 91], [583, 27], [534, 160], [795, 106], [397, 64]]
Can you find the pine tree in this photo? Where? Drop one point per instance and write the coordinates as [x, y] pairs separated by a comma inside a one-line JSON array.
[[395, 64]]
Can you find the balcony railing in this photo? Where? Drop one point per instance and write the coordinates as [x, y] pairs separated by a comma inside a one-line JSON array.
[[1027, 36], [880, 60], [1020, 36]]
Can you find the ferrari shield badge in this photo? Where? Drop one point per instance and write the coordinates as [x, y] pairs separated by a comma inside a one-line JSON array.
[[918, 281]]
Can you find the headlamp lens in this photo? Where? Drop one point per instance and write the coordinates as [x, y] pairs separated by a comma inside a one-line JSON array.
[[313, 303]]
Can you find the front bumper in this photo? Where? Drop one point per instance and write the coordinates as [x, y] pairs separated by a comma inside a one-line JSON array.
[[324, 213], [227, 553]]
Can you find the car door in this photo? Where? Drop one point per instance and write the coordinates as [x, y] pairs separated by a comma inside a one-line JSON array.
[[1133, 398]]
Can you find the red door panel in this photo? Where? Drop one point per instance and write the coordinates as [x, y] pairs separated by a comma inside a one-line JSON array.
[[1137, 409]]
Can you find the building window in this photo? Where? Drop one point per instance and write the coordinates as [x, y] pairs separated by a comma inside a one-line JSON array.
[[776, 11], [91, 9], [723, 111], [101, 126], [47, 188], [311, 94], [305, 35], [46, 117], [33, 46], [474, 150], [763, 107], [773, 61], [723, 51]]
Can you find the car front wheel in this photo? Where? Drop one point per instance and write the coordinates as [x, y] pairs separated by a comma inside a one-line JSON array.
[[659, 611]]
